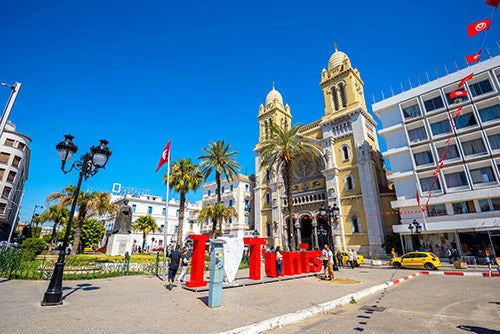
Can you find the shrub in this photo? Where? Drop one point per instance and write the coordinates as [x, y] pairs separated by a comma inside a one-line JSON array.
[[33, 247]]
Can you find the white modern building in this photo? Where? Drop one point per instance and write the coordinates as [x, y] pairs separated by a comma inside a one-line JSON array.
[[237, 193], [464, 199], [14, 166], [155, 206]]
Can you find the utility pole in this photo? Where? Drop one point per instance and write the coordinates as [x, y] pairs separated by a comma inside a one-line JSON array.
[[10, 103]]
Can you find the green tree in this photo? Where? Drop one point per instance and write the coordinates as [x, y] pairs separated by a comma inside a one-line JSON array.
[[88, 203], [92, 232], [279, 152], [217, 212], [145, 224], [185, 176], [56, 214], [33, 247], [217, 157]]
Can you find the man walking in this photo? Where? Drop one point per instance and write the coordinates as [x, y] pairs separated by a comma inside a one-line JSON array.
[[175, 262], [330, 263]]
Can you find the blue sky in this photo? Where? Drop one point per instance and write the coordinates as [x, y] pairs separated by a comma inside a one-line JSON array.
[[141, 73]]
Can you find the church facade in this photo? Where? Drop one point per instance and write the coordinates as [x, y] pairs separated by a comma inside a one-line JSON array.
[[348, 171]]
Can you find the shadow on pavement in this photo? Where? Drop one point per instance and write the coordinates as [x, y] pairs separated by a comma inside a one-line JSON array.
[[4, 280], [204, 300], [478, 330], [81, 286]]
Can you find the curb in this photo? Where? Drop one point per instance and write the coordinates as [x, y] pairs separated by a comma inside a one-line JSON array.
[[460, 273], [290, 318]]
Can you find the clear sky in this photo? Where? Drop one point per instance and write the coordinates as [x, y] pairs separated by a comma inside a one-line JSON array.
[[140, 73]]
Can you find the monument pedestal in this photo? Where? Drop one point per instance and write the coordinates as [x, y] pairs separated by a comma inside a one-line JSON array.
[[118, 244]]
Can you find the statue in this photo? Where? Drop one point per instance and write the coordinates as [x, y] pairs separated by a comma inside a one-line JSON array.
[[123, 222]]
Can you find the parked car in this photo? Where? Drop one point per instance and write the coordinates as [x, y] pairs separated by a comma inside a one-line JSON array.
[[157, 249], [424, 260], [345, 258]]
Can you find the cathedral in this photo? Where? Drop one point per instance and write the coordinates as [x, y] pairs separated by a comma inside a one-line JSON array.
[[347, 173]]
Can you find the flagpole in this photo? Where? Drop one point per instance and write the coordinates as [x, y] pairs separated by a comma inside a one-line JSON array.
[[165, 226]]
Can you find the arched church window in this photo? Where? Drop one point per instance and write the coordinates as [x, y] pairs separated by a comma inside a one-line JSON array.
[[349, 182], [345, 152], [335, 98], [268, 198], [268, 175], [267, 129], [343, 96], [268, 229], [355, 225]]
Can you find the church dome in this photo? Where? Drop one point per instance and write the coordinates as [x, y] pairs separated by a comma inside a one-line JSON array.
[[337, 59], [273, 95]]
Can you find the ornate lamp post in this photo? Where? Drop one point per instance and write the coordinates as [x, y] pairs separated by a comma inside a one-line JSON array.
[[88, 165], [331, 214], [415, 225]]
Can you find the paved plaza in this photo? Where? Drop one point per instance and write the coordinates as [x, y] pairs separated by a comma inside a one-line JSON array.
[[142, 304]]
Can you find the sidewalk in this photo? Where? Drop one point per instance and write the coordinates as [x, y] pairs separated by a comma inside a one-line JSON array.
[[142, 304]]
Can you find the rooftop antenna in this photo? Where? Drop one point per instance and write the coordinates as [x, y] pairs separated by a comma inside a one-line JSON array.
[[418, 80], [446, 69], [373, 97], [392, 91], [456, 65], [410, 83], [383, 97], [402, 88], [428, 79], [335, 46], [437, 74], [498, 45], [273, 84], [488, 52]]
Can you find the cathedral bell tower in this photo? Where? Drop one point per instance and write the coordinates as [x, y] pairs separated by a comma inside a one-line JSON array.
[[274, 112]]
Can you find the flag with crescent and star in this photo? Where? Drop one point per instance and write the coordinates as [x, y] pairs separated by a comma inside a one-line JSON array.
[[477, 27], [165, 155], [473, 58]]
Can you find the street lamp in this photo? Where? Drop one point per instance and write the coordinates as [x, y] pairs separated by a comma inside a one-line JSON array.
[[415, 225], [34, 216], [331, 213], [88, 165]]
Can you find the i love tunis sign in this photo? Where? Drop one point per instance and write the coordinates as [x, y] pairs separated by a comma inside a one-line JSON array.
[[294, 263]]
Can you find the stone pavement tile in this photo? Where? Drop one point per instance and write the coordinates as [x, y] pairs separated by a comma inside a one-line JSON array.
[[141, 303]]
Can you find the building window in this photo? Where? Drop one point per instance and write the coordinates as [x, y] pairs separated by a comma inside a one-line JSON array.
[[451, 152], [475, 146], [440, 127], [2, 208], [150, 210], [494, 141], [231, 188], [230, 202], [335, 98], [480, 88], [247, 187], [230, 221], [6, 192], [208, 193], [490, 113], [345, 152], [349, 182], [343, 96], [134, 207], [423, 158], [456, 179], [417, 134], [411, 112], [247, 205], [437, 210], [2, 171], [12, 176], [246, 220], [482, 175], [4, 157], [434, 103], [163, 211], [465, 120], [456, 99], [268, 198], [355, 224], [177, 213], [268, 175], [463, 207], [426, 183], [21, 146], [16, 161], [485, 205], [9, 142], [268, 229]]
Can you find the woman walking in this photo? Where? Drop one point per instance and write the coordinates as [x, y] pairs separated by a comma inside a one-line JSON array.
[[184, 265], [279, 261]]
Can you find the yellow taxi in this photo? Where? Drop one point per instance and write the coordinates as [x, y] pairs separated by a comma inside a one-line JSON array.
[[345, 258], [424, 260]]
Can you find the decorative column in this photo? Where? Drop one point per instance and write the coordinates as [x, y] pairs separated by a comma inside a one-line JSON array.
[[315, 233], [299, 237]]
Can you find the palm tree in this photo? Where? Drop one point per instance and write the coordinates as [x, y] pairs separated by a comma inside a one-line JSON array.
[[282, 148], [216, 212], [145, 224], [56, 214], [185, 176], [87, 204], [217, 157]]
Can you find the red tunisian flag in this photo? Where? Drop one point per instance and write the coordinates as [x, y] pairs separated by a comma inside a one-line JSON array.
[[475, 57], [467, 78], [458, 93], [477, 27], [165, 155], [493, 3]]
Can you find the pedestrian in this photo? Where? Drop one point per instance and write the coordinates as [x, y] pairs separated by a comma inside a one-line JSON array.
[[393, 253], [454, 254], [279, 261], [175, 263], [497, 260], [184, 264], [449, 255], [340, 258], [330, 263], [487, 258], [350, 256], [355, 258], [324, 257]]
